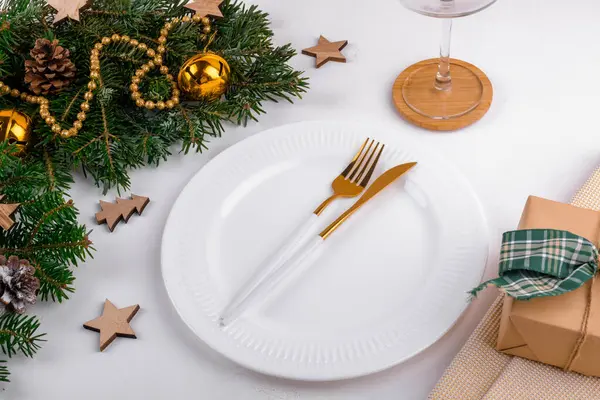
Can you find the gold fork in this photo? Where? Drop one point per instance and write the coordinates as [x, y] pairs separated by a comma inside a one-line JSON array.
[[350, 183], [353, 180]]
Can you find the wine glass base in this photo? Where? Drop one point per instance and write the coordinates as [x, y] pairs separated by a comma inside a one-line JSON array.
[[419, 102]]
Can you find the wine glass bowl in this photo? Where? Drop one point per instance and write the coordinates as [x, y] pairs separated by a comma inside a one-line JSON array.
[[447, 8], [447, 89]]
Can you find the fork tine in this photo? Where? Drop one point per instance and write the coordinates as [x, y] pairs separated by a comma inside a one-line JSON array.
[[358, 166], [365, 166], [358, 153], [367, 177]]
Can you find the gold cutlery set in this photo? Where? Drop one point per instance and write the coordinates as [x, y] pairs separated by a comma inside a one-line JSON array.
[[297, 249]]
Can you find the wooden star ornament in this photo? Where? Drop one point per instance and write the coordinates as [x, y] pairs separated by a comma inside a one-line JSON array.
[[326, 51], [113, 323], [6, 212], [68, 8], [205, 8]]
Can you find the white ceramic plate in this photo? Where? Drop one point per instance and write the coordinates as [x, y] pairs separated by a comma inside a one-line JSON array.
[[387, 285]]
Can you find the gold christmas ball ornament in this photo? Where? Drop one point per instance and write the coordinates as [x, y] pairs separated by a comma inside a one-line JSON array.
[[205, 75], [15, 127]]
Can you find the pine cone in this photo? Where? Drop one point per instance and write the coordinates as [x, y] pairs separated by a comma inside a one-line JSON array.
[[18, 285], [51, 69]]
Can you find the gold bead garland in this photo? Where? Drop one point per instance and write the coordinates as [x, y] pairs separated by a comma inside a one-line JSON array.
[[156, 60]]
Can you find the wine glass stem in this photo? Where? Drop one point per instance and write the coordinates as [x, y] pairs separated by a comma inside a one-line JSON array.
[[443, 80]]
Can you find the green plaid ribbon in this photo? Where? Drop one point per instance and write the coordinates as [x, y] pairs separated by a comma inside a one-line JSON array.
[[543, 262]]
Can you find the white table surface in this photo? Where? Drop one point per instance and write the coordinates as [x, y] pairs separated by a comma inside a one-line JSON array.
[[539, 137]]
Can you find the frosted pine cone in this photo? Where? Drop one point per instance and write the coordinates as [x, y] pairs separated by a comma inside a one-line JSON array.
[[18, 285]]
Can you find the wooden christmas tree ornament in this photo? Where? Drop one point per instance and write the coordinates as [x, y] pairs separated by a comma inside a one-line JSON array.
[[113, 323], [123, 209], [326, 51], [205, 8], [6, 212], [68, 8]]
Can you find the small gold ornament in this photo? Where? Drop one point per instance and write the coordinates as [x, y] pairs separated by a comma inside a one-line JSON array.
[[15, 127], [205, 75]]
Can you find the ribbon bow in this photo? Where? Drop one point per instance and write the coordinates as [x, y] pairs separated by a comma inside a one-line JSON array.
[[543, 262]]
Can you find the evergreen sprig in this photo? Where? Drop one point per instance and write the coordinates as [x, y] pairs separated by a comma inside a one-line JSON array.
[[46, 233], [18, 333], [118, 136]]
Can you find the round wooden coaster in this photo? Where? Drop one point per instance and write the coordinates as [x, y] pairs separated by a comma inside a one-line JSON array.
[[450, 124]]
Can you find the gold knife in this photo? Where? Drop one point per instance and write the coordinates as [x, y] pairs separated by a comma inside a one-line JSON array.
[[266, 286]]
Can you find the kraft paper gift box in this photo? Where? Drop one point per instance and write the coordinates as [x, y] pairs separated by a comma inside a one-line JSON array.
[[548, 329]]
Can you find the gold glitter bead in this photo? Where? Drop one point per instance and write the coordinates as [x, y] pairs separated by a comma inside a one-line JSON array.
[[170, 104], [164, 32], [170, 77], [92, 85], [64, 133], [56, 128], [116, 38], [142, 46], [206, 29], [134, 87], [175, 100], [44, 114], [77, 125], [95, 75], [150, 64], [196, 18], [95, 53], [44, 101], [50, 120], [88, 96], [164, 70], [136, 79], [151, 53], [125, 38], [150, 105], [24, 96], [158, 60], [72, 132], [140, 103], [29, 99], [161, 105], [105, 40], [85, 106], [186, 18], [134, 42], [140, 73], [81, 116], [136, 95], [98, 46], [205, 21], [161, 49], [162, 40], [168, 26], [145, 68], [175, 20], [176, 92], [15, 93], [5, 90], [95, 68]]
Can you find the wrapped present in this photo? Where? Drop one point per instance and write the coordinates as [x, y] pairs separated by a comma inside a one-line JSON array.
[[551, 313]]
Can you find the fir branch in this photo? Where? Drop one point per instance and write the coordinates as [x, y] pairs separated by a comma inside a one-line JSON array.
[[18, 333], [117, 135]]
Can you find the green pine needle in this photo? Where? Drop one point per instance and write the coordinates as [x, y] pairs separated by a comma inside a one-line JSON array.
[[4, 374]]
